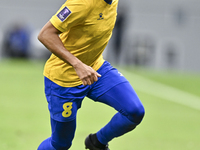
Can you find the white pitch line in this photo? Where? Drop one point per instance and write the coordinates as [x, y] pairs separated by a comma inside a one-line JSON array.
[[163, 91]]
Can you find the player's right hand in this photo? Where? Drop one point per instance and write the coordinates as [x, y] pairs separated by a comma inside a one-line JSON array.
[[86, 73]]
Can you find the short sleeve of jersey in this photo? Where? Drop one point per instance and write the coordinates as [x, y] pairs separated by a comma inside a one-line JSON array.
[[71, 13]]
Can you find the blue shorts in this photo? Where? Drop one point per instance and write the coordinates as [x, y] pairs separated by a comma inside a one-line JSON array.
[[63, 102]]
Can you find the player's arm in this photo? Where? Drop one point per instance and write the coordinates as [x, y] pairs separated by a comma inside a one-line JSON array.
[[49, 37]]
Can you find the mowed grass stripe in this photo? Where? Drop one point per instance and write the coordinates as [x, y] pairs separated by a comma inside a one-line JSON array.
[[162, 91]]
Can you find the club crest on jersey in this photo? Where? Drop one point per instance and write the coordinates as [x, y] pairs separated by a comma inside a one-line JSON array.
[[100, 16], [64, 13]]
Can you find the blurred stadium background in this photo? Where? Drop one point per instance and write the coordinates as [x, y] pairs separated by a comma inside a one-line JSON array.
[[155, 44], [158, 34]]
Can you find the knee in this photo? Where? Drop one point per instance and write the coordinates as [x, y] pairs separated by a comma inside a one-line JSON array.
[[136, 114]]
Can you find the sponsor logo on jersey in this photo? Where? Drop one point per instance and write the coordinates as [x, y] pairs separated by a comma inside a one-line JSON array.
[[100, 16], [64, 13]]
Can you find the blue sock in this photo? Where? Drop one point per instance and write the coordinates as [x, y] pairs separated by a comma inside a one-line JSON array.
[[130, 112], [62, 136], [46, 145], [118, 126]]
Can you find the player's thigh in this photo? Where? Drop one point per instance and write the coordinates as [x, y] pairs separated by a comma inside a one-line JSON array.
[[124, 99], [121, 97], [63, 102]]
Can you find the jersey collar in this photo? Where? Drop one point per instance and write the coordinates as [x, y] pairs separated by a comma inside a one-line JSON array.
[[108, 1]]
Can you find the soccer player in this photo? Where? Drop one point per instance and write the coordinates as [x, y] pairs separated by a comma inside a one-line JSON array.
[[77, 35]]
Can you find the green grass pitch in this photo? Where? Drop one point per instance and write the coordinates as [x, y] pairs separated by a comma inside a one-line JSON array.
[[24, 114]]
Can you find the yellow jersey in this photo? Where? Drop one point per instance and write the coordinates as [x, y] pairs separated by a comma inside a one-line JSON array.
[[86, 27]]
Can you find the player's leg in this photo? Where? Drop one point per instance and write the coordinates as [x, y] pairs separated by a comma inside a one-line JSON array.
[[123, 98], [63, 104], [62, 136], [46, 145], [130, 112], [113, 89]]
